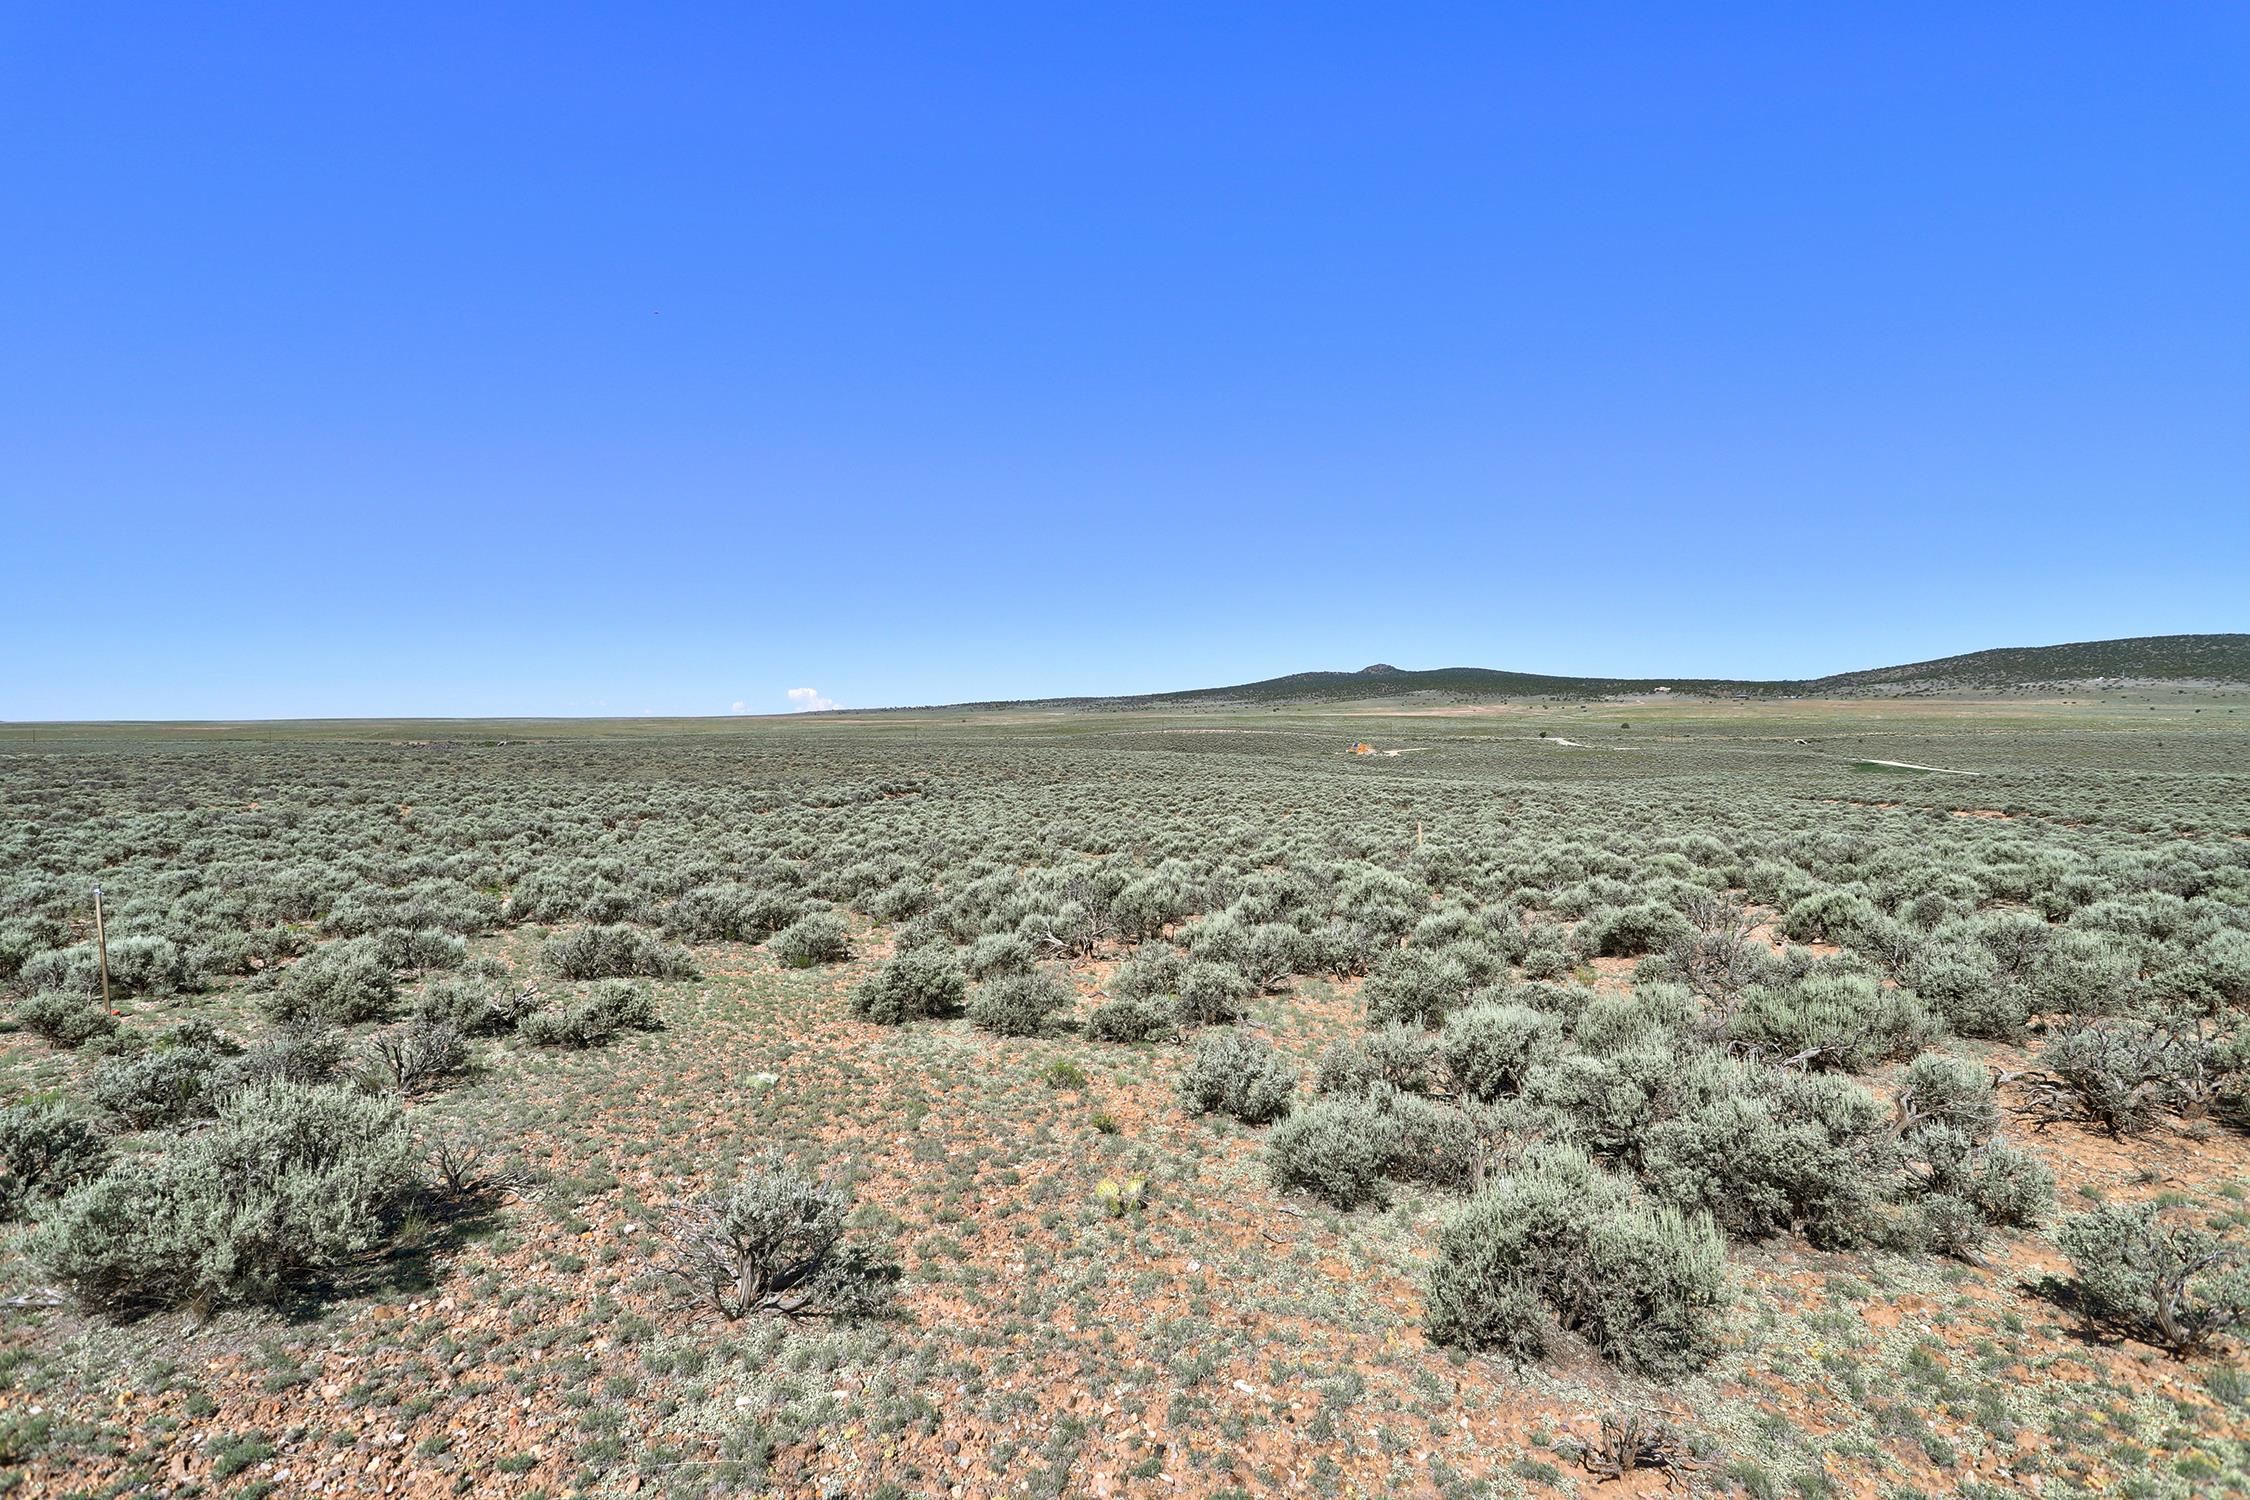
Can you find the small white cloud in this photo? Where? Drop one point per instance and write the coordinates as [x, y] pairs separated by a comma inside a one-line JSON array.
[[739, 707], [808, 701]]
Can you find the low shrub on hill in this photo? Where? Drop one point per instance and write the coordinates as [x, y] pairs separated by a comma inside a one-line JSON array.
[[2120, 1075], [477, 1004], [917, 985], [1211, 994], [416, 1057], [997, 953], [615, 952], [64, 1020], [301, 1052], [46, 1150], [729, 911], [138, 965], [290, 1188], [1416, 988], [1836, 1020], [161, 1086], [1490, 1049], [1561, 1244], [1238, 1073], [819, 937], [775, 1244], [1404, 1057], [611, 1007], [1330, 1149], [2156, 1276], [1154, 971], [1021, 1004], [1131, 1021], [341, 983]]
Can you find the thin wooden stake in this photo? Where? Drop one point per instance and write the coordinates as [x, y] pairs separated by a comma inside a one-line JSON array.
[[1417, 833], [101, 949]]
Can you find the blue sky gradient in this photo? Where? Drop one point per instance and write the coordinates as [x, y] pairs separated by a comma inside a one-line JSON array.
[[646, 359]]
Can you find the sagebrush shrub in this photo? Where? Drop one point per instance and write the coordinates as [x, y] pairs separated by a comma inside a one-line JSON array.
[[2224, 960], [420, 948], [1415, 988], [162, 1086], [1893, 944], [819, 937], [1238, 1073], [63, 1019], [291, 1187], [1716, 957], [1221, 937], [1972, 1184], [1405, 1057], [918, 985], [1432, 1140], [1144, 907], [1490, 1048], [1641, 1283], [1846, 1021], [1608, 1101], [1153, 971], [1942, 1089], [138, 965], [900, 901], [1273, 953], [611, 1007], [46, 1150], [417, 1056], [1604, 1024], [1211, 994], [299, 1052], [1825, 916], [997, 953], [729, 911], [1761, 1166], [2120, 1075], [1345, 949], [615, 952], [2009, 1186], [1629, 931], [342, 982], [1021, 1004], [1964, 985], [476, 1004], [1548, 957], [2157, 1276], [1131, 1021], [1072, 929], [1329, 1149], [774, 1243], [2085, 973]]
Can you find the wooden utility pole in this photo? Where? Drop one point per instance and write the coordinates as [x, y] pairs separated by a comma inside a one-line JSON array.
[[101, 949]]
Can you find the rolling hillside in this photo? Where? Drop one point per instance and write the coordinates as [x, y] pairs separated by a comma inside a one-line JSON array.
[[2142, 659], [2148, 658]]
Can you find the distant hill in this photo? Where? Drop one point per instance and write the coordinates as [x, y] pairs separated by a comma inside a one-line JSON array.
[[2147, 658], [2143, 659]]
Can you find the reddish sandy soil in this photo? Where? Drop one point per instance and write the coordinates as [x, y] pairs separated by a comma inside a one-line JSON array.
[[1224, 1339]]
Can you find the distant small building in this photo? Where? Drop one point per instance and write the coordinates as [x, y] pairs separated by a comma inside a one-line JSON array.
[[1363, 748]]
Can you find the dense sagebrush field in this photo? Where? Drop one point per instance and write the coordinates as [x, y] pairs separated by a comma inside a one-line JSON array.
[[1583, 1099]]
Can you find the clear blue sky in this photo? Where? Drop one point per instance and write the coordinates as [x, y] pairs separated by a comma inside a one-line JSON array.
[[635, 358]]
